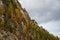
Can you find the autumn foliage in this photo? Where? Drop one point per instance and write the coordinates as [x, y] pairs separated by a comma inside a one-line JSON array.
[[15, 24]]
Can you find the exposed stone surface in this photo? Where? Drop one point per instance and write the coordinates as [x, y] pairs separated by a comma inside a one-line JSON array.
[[15, 23]]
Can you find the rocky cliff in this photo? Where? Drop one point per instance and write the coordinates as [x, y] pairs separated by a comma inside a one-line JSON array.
[[15, 23]]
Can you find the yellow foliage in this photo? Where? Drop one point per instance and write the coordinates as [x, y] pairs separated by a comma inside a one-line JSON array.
[[17, 13], [24, 28]]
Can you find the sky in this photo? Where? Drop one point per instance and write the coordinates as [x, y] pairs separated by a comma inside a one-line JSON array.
[[45, 12]]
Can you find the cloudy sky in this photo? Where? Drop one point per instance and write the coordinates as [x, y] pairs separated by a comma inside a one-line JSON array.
[[45, 12]]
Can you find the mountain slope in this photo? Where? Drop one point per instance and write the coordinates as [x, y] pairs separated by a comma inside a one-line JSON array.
[[15, 24]]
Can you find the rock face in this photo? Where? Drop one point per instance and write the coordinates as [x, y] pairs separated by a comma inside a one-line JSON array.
[[15, 24]]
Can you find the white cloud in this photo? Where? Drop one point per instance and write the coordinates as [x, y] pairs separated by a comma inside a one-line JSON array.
[[34, 4], [52, 26]]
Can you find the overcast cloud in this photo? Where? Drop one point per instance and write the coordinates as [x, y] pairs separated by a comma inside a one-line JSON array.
[[45, 12]]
